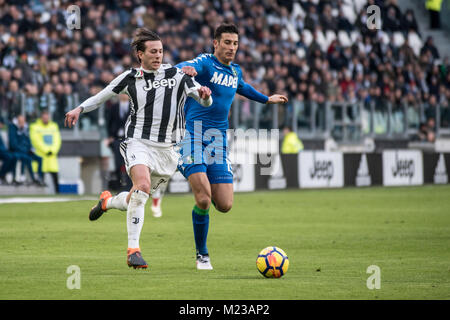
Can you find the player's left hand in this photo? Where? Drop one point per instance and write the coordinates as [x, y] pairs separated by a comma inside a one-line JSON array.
[[190, 71], [204, 92], [277, 98]]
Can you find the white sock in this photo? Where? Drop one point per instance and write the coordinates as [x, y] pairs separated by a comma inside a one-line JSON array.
[[119, 201], [135, 217]]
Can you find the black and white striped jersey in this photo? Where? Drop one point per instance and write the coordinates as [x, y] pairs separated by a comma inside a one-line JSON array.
[[156, 100]]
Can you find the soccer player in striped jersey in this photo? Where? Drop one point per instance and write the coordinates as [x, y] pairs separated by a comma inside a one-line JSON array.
[[210, 174], [156, 122]]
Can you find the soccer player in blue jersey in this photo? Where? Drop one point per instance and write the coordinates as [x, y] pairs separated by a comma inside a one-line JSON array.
[[204, 148]]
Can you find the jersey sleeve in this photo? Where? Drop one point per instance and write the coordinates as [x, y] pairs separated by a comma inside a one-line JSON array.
[[117, 85], [191, 88], [246, 90], [197, 63]]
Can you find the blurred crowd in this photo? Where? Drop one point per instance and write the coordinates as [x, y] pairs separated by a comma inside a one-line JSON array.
[[309, 50]]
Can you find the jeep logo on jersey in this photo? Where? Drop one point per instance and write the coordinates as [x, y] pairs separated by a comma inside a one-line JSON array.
[[155, 84], [224, 80]]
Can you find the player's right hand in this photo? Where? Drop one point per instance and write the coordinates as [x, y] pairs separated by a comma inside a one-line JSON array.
[[72, 117]]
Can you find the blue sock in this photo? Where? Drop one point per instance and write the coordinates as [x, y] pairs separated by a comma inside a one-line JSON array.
[[200, 221]]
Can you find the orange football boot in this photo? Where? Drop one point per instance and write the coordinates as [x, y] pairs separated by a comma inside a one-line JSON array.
[[100, 208]]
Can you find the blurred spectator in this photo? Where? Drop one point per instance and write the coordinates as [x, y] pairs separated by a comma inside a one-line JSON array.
[[430, 110], [20, 145], [46, 140], [8, 159], [424, 134], [291, 142], [312, 18], [409, 22], [13, 100], [47, 99], [343, 23], [431, 127], [327, 21], [391, 22], [434, 8], [429, 46]]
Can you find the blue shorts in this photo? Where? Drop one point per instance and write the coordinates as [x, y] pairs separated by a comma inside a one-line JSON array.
[[210, 158]]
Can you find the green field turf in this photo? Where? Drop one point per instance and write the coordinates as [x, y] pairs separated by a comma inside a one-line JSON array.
[[330, 236]]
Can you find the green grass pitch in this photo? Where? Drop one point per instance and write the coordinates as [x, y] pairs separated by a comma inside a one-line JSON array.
[[330, 236]]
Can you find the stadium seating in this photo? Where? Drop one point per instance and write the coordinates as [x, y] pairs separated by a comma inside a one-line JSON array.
[[415, 42], [78, 63], [398, 38], [344, 38], [308, 37]]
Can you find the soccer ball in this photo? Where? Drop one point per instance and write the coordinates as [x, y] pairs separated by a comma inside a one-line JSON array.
[[272, 262]]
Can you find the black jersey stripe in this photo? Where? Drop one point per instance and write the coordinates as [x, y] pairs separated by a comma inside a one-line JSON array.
[[123, 152], [177, 123], [148, 108], [167, 106], [179, 95], [190, 84], [124, 82], [134, 103], [189, 81]]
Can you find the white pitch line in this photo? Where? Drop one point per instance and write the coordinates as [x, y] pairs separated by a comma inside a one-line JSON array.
[[40, 199]]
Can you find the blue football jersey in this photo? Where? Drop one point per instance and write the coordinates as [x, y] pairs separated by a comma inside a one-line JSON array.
[[224, 81]]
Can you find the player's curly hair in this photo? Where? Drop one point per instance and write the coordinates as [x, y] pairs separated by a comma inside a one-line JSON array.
[[141, 36], [225, 28]]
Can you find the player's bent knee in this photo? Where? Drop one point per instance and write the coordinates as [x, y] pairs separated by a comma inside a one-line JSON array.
[[203, 201], [224, 207], [143, 186]]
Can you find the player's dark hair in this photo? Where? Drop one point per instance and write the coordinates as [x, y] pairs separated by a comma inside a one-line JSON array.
[[225, 28], [143, 35]]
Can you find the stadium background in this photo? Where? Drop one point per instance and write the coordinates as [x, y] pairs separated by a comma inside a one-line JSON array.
[[351, 89], [331, 236]]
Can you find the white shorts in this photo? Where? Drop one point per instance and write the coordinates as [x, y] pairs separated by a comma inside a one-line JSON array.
[[161, 160]]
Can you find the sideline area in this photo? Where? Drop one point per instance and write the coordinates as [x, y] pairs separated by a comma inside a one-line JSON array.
[[42, 199]]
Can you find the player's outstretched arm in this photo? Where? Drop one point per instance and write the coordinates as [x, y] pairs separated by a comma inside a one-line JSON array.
[[246, 90], [116, 86], [194, 66], [277, 98]]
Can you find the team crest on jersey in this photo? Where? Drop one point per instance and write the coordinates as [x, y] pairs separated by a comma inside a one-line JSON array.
[[139, 74], [234, 71]]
